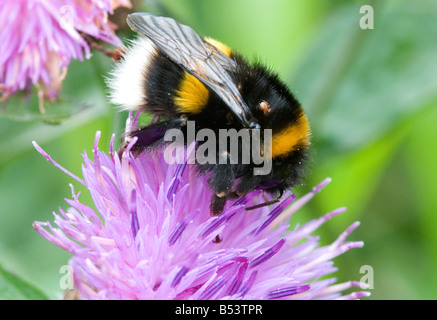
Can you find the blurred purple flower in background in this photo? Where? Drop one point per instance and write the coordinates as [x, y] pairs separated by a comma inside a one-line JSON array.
[[152, 237], [40, 37]]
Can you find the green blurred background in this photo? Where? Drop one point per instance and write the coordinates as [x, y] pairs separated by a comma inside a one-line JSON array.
[[371, 99]]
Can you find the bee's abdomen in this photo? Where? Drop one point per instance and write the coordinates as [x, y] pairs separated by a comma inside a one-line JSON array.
[[130, 73], [192, 96], [172, 91]]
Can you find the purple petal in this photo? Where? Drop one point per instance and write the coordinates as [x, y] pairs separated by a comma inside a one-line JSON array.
[[285, 292], [267, 254]]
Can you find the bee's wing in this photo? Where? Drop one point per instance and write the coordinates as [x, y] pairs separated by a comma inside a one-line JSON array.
[[186, 48]]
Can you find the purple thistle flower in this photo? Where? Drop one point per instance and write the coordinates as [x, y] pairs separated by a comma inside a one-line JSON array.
[[40, 37], [152, 237]]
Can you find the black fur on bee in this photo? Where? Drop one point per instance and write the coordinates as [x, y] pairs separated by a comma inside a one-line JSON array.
[[179, 76]]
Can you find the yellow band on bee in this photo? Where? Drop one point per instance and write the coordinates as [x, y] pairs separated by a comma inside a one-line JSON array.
[[192, 95], [288, 139], [222, 47]]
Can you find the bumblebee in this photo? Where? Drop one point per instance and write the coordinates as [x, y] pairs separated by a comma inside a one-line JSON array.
[[179, 76]]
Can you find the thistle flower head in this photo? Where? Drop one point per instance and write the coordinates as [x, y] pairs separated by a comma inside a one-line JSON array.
[[151, 237], [40, 37]]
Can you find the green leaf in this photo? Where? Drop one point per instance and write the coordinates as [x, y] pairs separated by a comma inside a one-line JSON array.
[[27, 109], [83, 100], [355, 176], [276, 32], [14, 288], [357, 85], [420, 152], [82, 81]]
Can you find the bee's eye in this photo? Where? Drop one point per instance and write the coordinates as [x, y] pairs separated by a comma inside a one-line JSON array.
[[265, 107]]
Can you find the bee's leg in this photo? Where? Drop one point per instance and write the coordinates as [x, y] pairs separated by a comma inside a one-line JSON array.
[[268, 203], [221, 183], [233, 195], [248, 183], [217, 205], [150, 136]]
